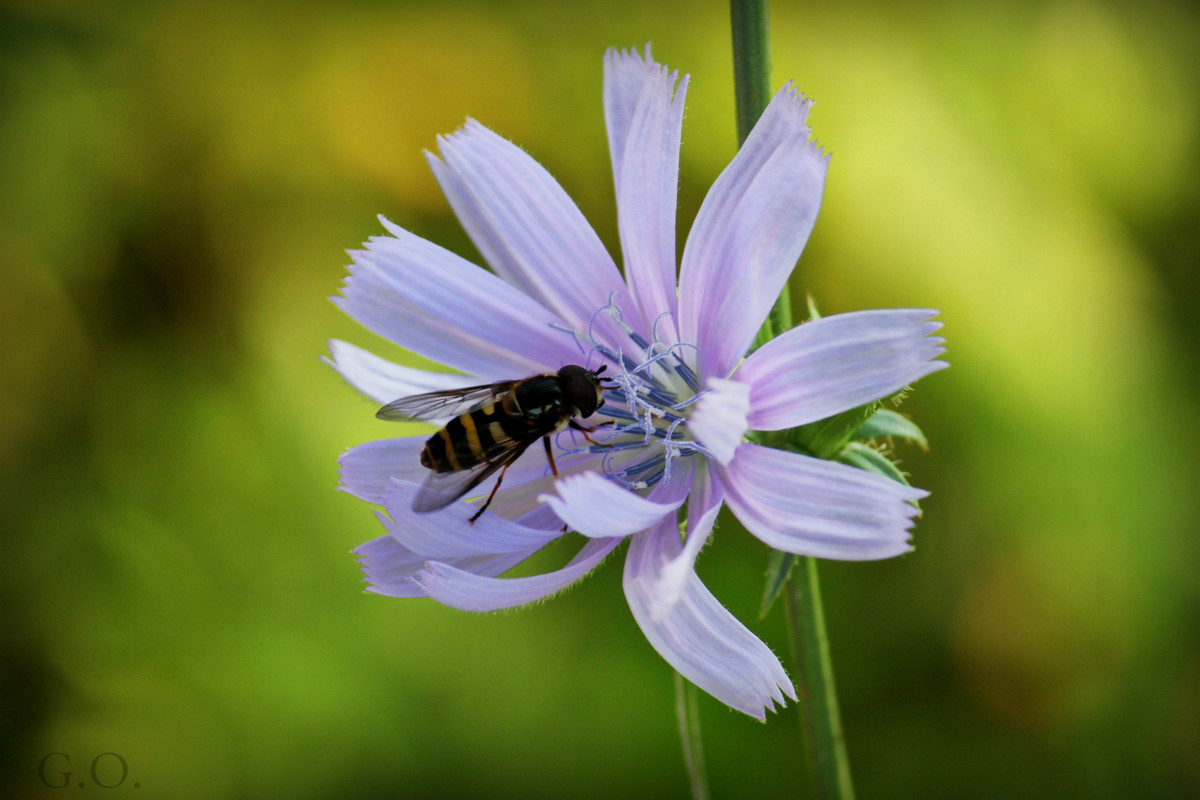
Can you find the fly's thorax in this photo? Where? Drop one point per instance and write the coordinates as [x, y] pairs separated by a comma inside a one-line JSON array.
[[541, 403]]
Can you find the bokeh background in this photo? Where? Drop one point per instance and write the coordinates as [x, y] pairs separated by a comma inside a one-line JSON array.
[[178, 184]]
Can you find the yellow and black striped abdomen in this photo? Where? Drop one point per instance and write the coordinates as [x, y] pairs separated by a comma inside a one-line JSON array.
[[473, 438]]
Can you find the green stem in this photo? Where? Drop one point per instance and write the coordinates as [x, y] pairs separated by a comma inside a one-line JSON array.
[[825, 746], [752, 91], [820, 720], [687, 714], [751, 62]]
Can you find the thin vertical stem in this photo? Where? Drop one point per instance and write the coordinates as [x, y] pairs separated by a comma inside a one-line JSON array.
[[824, 743], [751, 62], [752, 90], [820, 719], [687, 714]]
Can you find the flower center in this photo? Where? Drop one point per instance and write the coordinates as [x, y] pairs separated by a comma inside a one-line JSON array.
[[649, 407]]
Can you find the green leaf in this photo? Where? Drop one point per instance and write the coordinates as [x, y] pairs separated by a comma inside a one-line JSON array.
[[827, 437], [888, 423], [779, 569], [812, 307]]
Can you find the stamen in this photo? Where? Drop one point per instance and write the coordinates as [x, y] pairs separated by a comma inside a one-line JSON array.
[[645, 365], [650, 397], [689, 401], [650, 480], [626, 363], [644, 465], [658, 396], [616, 413], [682, 369], [614, 312], [617, 447], [638, 340], [654, 325], [579, 340]]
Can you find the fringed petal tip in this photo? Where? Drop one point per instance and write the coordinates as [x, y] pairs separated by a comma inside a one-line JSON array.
[[699, 637], [622, 59], [781, 691], [391, 227], [797, 102], [388, 567], [808, 506], [795, 106], [620, 56], [471, 128], [821, 154]]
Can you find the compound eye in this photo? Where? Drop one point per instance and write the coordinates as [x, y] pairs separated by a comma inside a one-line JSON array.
[[582, 388], [582, 394], [583, 397]]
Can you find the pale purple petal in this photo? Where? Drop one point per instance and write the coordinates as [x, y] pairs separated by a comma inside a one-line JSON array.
[[595, 506], [528, 478], [837, 363], [663, 590], [748, 234], [431, 301], [447, 533], [367, 469], [698, 636], [383, 381], [818, 508], [644, 114], [676, 486], [529, 230], [719, 419], [471, 591], [390, 567], [626, 75]]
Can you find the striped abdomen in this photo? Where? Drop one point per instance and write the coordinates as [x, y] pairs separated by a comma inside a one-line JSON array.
[[477, 436]]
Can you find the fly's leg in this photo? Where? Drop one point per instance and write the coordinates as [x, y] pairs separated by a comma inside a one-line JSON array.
[[550, 455], [553, 466], [585, 430], [491, 494]]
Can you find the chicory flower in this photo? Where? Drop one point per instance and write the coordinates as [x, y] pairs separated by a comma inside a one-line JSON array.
[[687, 394]]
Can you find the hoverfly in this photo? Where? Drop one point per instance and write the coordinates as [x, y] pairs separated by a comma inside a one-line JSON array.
[[492, 426]]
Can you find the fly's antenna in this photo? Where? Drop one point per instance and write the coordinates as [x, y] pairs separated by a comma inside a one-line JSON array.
[[605, 383]]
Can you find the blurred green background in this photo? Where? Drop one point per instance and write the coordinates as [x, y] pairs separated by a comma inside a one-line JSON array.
[[178, 184]]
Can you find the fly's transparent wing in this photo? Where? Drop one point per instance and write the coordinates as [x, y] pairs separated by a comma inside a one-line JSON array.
[[443, 488], [440, 405]]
